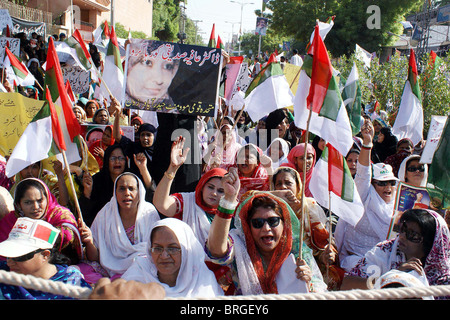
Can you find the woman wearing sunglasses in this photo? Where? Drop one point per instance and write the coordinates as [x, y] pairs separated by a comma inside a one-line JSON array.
[[263, 249], [377, 187], [413, 172], [32, 249], [422, 245]]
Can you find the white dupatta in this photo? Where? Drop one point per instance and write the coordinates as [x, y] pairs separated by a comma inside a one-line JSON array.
[[115, 249], [194, 278]]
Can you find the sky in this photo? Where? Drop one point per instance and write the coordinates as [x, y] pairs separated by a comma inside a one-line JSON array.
[[225, 14]]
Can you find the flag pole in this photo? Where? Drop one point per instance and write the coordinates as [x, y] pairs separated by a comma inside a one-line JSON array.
[[330, 221], [240, 113], [302, 228], [77, 205]]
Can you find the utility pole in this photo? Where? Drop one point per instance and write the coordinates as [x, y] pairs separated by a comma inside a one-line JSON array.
[[196, 28], [242, 4], [113, 21]]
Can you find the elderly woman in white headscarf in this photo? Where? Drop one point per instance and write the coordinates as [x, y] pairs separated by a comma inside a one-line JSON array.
[[120, 230], [176, 260]]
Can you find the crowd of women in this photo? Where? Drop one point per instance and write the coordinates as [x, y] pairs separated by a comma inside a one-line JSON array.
[[248, 224]]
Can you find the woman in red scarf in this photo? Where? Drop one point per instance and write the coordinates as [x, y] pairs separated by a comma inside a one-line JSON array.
[[198, 208], [296, 158], [98, 147], [254, 168]]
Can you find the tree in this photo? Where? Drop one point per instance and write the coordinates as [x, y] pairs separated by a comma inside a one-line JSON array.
[[355, 21], [165, 23], [384, 82]]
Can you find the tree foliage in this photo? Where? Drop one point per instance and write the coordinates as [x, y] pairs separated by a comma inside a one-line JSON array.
[[384, 82]]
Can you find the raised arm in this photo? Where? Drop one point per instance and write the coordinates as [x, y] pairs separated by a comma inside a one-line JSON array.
[[217, 242], [162, 200], [363, 172], [116, 111]]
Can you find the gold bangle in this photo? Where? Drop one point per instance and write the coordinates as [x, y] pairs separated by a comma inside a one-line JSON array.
[[169, 176]]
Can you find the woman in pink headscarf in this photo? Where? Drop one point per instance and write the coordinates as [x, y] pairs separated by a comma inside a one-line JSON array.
[[296, 158]]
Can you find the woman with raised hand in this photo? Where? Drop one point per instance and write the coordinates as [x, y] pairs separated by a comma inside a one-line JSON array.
[[263, 250]]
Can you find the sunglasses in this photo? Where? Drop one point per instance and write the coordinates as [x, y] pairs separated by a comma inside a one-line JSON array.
[[385, 183], [27, 256], [171, 251], [410, 234], [414, 169], [258, 223]]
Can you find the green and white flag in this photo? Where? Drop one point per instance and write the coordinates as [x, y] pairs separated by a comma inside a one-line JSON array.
[[318, 100], [41, 139], [331, 180], [351, 94], [409, 120], [16, 70], [268, 91]]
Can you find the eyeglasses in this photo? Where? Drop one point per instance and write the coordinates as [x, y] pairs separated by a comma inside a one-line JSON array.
[[170, 251], [113, 159], [27, 256], [410, 234], [414, 169], [258, 223], [385, 183]]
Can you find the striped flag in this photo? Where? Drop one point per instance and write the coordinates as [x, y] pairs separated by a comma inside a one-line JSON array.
[[101, 33], [55, 83], [409, 120], [212, 37], [219, 43], [331, 170], [318, 93], [113, 75], [351, 95], [16, 71], [43, 136], [77, 43], [268, 91]]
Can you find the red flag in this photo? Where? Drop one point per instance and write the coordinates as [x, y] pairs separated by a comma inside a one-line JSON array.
[[8, 32], [58, 136], [219, 43], [69, 91], [212, 37], [79, 38], [55, 82], [321, 73]]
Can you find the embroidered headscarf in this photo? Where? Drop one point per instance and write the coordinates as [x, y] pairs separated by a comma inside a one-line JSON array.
[[297, 151]]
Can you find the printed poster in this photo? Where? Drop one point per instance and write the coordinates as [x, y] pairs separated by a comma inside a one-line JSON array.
[[172, 78], [410, 197]]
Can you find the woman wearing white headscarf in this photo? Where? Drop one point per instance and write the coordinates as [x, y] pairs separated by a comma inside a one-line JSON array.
[[191, 277], [413, 172], [278, 151], [120, 230]]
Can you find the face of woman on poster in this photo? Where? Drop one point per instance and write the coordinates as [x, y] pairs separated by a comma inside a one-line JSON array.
[[150, 78]]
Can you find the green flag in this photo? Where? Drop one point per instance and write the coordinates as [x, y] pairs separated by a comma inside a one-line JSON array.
[[438, 184]]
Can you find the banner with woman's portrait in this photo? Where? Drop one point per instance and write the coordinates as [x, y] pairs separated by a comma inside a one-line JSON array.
[[171, 77]]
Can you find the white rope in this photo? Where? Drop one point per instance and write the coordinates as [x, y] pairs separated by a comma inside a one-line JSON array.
[[77, 292], [55, 287]]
